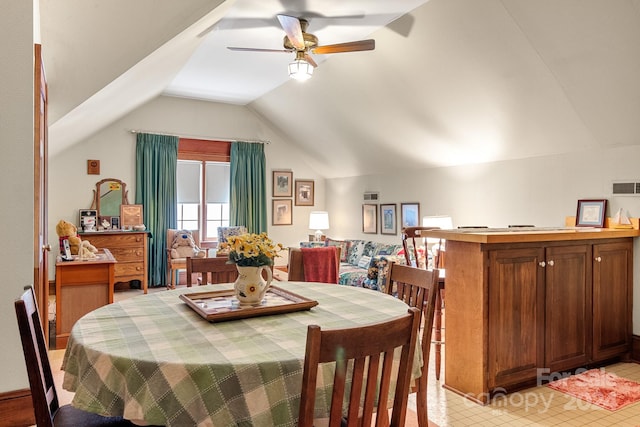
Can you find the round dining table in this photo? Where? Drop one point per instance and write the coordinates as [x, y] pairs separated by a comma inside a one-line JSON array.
[[153, 359]]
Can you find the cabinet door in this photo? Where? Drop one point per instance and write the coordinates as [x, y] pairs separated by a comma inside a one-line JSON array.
[[516, 315], [567, 302], [612, 299]]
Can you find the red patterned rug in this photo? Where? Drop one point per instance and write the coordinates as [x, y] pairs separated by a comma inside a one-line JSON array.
[[600, 388]]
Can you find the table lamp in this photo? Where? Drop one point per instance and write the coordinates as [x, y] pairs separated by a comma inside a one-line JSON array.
[[440, 221], [319, 220]]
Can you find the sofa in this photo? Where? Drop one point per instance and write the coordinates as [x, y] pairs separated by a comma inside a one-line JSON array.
[[363, 263]]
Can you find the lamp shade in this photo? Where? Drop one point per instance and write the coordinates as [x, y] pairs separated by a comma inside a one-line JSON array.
[[300, 70], [319, 220], [440, 221]]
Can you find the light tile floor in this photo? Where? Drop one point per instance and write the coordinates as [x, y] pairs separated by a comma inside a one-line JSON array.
[[537, 407]]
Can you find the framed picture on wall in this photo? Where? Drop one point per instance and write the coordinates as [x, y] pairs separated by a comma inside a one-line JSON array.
[[370, 218], [410, 214], [591, 213], [304, 192], [282, 212], [282, 183], [388, 219]]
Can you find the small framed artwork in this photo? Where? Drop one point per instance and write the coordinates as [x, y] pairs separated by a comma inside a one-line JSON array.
[[591, 213], [410, 214], [282, 183], [304, 192], [115, 222], [282, 212], [93, 167], [370, 218], [388, 219], [88, 219], [130, 215]]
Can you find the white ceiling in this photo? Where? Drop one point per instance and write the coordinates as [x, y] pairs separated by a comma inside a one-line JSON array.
[[215, 73], [450, 82]]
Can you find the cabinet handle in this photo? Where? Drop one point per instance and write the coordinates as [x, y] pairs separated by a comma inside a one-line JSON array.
[[599, 259], [542, 264], [551, 263]]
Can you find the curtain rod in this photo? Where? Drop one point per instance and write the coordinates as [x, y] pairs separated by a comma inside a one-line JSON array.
[[257, 141]]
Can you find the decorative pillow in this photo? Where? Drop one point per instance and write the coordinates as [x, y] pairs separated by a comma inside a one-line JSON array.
[[388, 249], [224, 232], [369, 249], [364, 262], [342, 244], [355, 252]]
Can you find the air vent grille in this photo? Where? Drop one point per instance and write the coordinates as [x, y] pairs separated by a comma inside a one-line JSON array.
[[629, 188], [370, 196]]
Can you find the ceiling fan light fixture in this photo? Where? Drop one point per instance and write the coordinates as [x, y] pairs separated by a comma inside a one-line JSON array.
[[300, 70]]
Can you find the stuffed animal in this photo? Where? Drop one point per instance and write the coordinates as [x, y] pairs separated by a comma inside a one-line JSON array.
[[184, 246], [67, 230]]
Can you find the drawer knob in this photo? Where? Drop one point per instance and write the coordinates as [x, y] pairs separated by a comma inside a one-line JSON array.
[[542, 264], [599, 259], [551, 263]]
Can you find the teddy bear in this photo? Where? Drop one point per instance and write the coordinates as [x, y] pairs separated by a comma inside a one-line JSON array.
[[184, 246], [67, 230]]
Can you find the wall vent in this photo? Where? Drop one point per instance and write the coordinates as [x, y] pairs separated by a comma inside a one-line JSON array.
[[370, 196], [628, 188]]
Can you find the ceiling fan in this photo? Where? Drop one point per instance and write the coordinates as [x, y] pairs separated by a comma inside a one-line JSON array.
[[302, 43]]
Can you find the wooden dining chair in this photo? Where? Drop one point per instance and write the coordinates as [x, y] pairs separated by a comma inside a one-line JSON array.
[[417, 288], [295, 266], [410, 242], [211, 270], [48, 412], [370, 346]]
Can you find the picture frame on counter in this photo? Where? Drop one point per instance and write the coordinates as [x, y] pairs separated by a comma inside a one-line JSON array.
[[591, 213], [130, 216]]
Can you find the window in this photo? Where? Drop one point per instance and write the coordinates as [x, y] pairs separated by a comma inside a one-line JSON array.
[[203, 187]]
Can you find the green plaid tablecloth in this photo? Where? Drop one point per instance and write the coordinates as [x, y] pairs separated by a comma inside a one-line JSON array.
[[153, 358]]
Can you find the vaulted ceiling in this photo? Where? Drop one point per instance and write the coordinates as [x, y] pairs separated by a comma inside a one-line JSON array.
[[450, 81]]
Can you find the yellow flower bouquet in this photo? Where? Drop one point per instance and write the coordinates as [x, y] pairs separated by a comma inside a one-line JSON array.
[[251, 250]]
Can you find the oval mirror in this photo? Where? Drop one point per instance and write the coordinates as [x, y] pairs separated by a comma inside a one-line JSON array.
[[109, 194]]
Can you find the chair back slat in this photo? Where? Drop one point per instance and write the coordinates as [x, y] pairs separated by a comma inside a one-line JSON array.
[[352, 349], [212, 270]]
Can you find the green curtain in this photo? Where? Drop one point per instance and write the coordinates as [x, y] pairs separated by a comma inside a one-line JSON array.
[[248, 190], [156, 191]]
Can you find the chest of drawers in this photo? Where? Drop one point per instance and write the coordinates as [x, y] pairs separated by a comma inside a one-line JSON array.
[[129, 248]]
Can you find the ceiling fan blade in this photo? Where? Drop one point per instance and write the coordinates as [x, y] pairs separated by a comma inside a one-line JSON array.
[[253, 49], [310, 60], [360, 45], [291, 26]]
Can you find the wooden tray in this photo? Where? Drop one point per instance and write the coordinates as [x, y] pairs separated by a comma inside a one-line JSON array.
[[220, 306]]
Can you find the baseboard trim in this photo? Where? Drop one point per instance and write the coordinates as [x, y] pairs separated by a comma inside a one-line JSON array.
[[16, 408]]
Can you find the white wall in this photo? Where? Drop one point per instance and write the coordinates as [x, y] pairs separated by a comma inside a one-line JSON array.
[[540, 191], [16, 175], [70, 186]]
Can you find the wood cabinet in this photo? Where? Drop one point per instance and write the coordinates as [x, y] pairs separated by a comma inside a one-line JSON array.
[[81, 287], [519, 311], [130, 249]]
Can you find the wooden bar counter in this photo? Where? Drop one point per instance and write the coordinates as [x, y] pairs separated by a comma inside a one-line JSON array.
[[81, 287], [525, 305]]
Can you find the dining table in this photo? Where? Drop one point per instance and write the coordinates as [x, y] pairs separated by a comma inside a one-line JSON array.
[[154, 360]]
